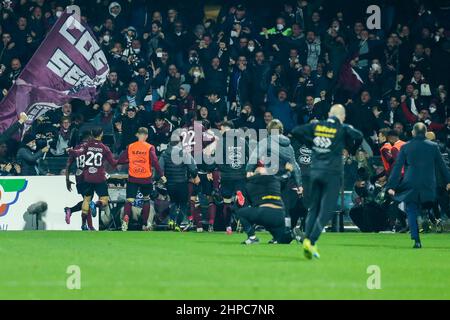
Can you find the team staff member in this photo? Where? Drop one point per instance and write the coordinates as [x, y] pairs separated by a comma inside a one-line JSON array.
[[394, 139], [178, 176], [385, 151], [277, 144], [141, 157], [267, 208], [232, 170], [421, 160], [327, 139]]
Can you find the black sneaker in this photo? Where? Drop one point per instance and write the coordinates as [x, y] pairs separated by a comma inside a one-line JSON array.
[[250, 241], [417, 245], [273, 241]]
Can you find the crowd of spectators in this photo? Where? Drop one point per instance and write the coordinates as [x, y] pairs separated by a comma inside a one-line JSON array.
[[254, 62]]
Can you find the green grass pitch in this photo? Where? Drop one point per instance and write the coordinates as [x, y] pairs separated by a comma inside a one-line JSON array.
[[166, 265]]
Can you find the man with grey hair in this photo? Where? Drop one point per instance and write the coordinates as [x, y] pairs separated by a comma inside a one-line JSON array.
[[420, 160], [327, 139]]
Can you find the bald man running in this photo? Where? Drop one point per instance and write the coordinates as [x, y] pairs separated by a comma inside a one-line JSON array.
[[327, 139]]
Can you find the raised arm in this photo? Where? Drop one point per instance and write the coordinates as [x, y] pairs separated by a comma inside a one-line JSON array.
[[353, 138], [304, 134]]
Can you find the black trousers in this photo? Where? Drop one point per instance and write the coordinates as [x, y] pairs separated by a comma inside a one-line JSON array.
[[325, 189], [133, 189], [179, 197], [270, 218], [370, 217]]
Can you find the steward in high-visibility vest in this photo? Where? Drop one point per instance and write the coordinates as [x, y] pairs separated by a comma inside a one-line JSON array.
[[397, 144], [385, 151], [386, 157], [141, 157]]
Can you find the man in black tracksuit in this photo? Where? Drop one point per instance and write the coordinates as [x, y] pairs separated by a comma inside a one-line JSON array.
[[178, 174], [232, 170], [267, 208], [327, 140]]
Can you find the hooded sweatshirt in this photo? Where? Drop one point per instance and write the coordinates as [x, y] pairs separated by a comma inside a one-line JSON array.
[[286, 155], [119, 20]]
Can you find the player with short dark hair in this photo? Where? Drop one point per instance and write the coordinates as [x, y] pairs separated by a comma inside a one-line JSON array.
[[92, 156], [198, 147]]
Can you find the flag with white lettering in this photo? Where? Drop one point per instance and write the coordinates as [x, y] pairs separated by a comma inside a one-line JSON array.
[[68, 64]]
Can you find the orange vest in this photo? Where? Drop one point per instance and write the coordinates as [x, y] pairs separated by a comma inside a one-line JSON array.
[[139, 158], [386, 165], [398, 145]]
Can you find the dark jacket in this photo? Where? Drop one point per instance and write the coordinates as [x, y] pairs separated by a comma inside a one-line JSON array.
[[421, 160], [8, 133], [177, 172], [235, 156], [216, 81], [327, 140], [28, 160]]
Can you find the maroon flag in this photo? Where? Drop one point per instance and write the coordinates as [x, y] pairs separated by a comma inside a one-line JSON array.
[[68, 64], [349, 79]]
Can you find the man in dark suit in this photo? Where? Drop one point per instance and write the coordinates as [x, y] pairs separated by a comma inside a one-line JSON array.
[[421, 159]]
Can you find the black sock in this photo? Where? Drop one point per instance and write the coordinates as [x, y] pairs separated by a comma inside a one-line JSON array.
[[76, 207], [84, 219]]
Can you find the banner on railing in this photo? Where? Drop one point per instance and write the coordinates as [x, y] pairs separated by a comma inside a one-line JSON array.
[[23, 200]]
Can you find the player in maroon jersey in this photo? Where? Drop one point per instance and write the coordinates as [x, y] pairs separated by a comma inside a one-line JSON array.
[[93, 156], [80, 186], [197, 138]]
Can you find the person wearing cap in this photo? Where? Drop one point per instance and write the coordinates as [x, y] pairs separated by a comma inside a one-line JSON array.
[[28, 155]]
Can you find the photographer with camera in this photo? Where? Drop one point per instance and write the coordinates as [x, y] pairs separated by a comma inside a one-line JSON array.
[[370, 210], [28, 155]]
